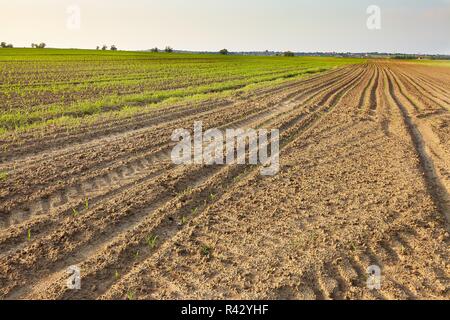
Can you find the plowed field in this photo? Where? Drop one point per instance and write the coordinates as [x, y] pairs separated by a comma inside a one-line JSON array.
[[364, 180]]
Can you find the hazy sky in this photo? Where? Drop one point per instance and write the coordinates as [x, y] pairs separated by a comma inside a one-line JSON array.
[[414, 26]]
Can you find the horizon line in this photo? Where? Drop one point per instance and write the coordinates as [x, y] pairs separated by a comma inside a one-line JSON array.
[[250, 51]]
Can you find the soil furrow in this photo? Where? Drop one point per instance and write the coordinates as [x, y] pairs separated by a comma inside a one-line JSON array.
[[287, 132]]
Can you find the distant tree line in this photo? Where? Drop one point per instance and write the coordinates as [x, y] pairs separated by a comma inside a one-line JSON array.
[[41, 45], [4, 45], [405, 56], [105, 47], [166, 49]]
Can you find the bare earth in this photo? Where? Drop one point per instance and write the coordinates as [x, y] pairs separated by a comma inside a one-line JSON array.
[[364, 180]]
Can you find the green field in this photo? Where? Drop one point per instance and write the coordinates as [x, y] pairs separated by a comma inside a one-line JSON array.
[[437, 63], [58, 87]]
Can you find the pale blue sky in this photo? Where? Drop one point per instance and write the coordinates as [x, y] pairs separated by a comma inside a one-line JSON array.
[[415, 26]]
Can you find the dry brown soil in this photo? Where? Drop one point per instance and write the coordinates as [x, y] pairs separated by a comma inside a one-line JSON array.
[[364, 180]]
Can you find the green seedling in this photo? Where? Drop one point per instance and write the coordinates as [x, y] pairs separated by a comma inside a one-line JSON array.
[[189, 189], [212, 196], [184, 192], [205, 250], [152, 241], [184, 220], [117, 275], [29, 234], [194, 211], [3, 175], [86, 204], [353, 247], [136, 254], [130, 295], [75, 212]]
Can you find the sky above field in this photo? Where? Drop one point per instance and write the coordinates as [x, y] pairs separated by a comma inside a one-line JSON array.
[[408, 26]]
